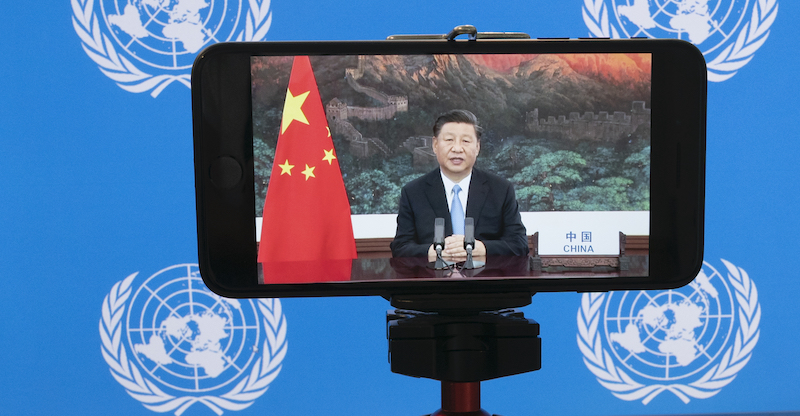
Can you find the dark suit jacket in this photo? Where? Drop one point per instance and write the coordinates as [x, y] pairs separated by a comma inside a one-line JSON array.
[[491, 202]]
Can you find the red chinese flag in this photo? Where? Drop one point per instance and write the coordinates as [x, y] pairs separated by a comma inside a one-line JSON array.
[[306, 233]]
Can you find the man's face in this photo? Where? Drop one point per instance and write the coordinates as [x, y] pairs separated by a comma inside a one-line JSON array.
[[456, 148]]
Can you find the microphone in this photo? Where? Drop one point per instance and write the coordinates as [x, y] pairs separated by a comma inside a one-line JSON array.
[[469, 234], [438, 234], [438, 243], [469, 244]]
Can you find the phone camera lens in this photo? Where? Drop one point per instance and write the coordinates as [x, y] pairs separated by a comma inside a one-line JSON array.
[[225, 172]]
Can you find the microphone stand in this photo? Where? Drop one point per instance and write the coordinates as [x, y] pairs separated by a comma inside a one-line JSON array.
[[438, 245], [440, 263], [469, 244], [469, 264]]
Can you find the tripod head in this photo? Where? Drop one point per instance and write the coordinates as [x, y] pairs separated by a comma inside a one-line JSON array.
[[462, 340]]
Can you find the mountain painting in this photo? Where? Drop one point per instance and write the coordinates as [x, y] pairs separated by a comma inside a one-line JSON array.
[[570, 131]]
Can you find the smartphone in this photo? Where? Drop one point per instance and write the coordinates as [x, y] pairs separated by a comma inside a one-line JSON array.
[[321, 167]]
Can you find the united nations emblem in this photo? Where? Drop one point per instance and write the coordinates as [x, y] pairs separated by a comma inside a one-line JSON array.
[[691, 341], [171, 343], [146, 45], [728, 32]]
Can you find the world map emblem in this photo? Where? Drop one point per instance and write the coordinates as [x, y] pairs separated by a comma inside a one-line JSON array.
[[147, 45], [728, 32], [690, 341], [172, 343]]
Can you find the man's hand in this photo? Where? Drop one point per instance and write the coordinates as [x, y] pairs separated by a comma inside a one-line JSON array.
[[454, 248], [431, 253]]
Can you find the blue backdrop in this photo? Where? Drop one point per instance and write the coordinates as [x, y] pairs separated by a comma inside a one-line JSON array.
[[98, 185]]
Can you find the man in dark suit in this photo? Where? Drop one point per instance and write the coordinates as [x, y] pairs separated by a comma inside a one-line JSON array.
[[444, 192]]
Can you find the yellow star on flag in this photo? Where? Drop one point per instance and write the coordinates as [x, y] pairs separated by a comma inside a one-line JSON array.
[[329, 130], [292, 109], [328, 156], [286, 167], [309, 172]]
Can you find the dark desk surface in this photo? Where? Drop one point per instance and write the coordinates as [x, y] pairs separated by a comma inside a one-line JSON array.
[[383, 269], [496, 266]]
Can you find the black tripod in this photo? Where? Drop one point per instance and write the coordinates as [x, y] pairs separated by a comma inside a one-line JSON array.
[[462, 340]]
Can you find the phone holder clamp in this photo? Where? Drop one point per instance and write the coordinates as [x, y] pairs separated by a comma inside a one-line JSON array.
[[469, 30]]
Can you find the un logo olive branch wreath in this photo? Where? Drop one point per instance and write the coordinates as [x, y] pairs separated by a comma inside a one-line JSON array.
[[250, 388], [127, 75], [600, 363], [728, 62]]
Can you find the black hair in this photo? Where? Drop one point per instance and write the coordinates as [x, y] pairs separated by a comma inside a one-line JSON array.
[[457, 116]]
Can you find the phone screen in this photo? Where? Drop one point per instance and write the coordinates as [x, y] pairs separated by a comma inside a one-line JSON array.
[[336, 138]]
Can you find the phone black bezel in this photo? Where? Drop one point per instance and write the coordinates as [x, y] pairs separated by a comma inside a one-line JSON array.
[[222, 122]]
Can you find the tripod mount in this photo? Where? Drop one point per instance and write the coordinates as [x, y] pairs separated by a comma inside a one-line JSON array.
[[462, 340]]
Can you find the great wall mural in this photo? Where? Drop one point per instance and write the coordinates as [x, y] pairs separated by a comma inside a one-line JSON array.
[[603, 126], [572, 132], [338, 113]]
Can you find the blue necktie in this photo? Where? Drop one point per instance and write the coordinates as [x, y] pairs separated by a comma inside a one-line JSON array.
[[457, 212]]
